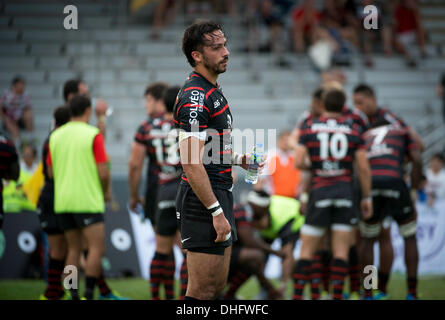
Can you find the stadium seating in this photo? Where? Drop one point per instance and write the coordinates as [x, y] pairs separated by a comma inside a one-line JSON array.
[[118, 60]]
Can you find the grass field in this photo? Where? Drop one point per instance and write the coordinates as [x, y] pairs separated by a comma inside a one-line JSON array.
[[430, 288]]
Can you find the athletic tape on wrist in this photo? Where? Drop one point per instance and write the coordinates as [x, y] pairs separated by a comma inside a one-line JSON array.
[[215, 209]]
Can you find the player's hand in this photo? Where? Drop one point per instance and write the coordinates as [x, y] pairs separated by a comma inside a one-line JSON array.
[[222, 227], [366, 207], [134, 202], [246, 160], [101, 107]]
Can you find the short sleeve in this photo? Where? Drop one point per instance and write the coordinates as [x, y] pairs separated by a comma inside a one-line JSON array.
[[192, 113], [100, 154], [409, 142], [48, 160], [303, 137], [142, 134]]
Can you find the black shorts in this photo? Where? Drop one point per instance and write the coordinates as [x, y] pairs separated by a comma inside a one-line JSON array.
[[165, 219], [391, 197], [151, 193], [196, 222], [69, 221], [331, 205], [45, 212]]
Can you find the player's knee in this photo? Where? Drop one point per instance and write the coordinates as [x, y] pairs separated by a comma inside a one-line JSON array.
[[370, 231], [408, 230]]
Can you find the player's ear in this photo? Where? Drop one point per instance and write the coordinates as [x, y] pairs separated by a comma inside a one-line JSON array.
[[197, 56]]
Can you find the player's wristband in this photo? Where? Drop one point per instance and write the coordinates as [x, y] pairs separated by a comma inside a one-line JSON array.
[[237, 158], [215, 209], [369, 198], [304, 197]]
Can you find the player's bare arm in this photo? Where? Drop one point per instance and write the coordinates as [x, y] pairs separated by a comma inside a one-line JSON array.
[[135, 165], [364, 175]]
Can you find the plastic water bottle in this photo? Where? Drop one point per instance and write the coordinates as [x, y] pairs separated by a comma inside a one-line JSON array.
[[252, 170]]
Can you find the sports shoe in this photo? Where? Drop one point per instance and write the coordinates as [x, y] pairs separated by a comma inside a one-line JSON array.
[[380, 295], [113, 295], [354, 296], [411, 297]]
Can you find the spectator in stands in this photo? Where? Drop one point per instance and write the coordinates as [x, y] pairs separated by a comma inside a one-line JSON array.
[[164, 13], [409, 29], [269, 24], [29, 162], [305, 23], [15, 109], [339, 17], [386, 24], [441, 93], [435, 176]]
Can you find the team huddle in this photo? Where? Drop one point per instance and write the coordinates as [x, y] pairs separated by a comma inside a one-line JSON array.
[[354, 182]]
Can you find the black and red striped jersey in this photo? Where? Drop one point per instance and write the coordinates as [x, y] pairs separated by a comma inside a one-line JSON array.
[[162, 148], [141, 136], [357, 118], [387, 147], [331, 144], [383, 113], [243, 219], [201, 110]]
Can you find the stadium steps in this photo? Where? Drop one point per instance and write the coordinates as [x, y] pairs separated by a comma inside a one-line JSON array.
[[118, 62]]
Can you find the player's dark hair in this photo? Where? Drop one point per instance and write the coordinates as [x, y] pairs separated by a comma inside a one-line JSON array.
[[364, 89], [156, 90], [334, 100], [79, 104], [28, 144], [62, 115], [439, 157], [70, 87], [317, 94], [17, 79], [379, 123], [170, 98], [193, 38]]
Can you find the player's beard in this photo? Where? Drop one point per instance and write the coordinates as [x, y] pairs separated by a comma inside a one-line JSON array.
[[216, 68]]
